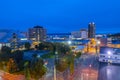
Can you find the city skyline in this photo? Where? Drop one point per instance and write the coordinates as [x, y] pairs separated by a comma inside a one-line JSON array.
[[60, 15]]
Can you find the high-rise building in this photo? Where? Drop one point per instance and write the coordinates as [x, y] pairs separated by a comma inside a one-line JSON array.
[[84, 33], [37, 33], [91, 30], [14, 41]]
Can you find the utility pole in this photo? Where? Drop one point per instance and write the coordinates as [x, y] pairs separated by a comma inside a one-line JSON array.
[[54, 72]]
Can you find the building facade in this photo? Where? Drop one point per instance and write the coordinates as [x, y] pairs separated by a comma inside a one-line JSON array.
[[37, 33], [76, 34], [5, 37], [59, 36], [91, 30], [109, 55], [14, 41], [84, 33]]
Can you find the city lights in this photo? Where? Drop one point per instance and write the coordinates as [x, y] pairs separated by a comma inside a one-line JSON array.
[[60, 40], [98, 42], [69, 42], [109, 52]]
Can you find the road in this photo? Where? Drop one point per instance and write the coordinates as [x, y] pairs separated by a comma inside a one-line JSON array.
[[106, 71], [109, 71], [88, 68], [82, 69]]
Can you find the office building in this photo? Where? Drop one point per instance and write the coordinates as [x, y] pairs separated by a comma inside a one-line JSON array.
[[37, 33], [109, 55], [84, 33], [76, 34], [58, 36], [14, 41], [91, 30]]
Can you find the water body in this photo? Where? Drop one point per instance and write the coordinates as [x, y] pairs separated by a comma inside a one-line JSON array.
[[109, 71]]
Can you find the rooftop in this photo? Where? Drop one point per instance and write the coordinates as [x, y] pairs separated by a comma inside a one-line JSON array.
[[38, 26], [107, 50]]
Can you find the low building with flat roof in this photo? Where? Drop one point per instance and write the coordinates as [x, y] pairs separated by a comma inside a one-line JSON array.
[[109, 55]]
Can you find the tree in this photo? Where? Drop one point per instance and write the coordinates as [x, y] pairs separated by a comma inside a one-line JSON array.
[[4, 57], [66, 62], [41, 46], [77, 55], [11, 66], [27, 45], [62, 64], [62, 48], [5, 53], [45, 46], [27, 74], [5, 50], [49, 46], [18, 57], [71, 63], [27, 70], [37, 68]]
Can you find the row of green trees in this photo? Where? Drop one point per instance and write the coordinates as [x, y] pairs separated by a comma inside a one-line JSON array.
[[64, 54], [10, 61], [64, 59], [35, 68], [59, 47], [66, 62], [14, 63]]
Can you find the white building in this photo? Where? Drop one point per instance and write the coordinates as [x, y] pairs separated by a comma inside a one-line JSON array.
[[76, 34], [109, 55], [84, 33]]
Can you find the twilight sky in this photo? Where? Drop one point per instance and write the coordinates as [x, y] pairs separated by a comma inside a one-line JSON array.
[[60, 15]]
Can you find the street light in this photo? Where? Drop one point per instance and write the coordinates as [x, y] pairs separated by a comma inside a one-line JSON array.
[[109, 52], [55, 73], [109, 56], [69, 42], [98, 42], [90, 67], [56, 56]]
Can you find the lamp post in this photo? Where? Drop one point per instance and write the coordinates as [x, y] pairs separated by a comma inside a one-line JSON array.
[[55, 51], [90, 68], [55, 72], [69, 42]]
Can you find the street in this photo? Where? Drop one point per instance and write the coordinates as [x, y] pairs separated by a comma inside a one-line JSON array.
[[109, 71], [87, 67]]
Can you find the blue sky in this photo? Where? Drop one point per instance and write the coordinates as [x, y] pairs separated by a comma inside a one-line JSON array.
[[60, 15]]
